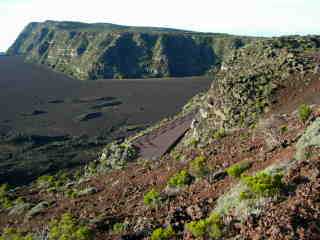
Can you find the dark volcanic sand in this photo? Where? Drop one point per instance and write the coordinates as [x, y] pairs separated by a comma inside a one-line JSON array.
[[38, 103], [28, 88]]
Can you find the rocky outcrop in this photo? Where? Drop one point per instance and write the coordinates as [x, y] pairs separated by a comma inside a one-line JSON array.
[[248, 82], [95, 51]]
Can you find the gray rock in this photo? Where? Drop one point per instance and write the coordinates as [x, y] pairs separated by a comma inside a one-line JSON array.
[[88, 191], [216, 176], [20, 208], [116, 156], [195, 212], [39, 208], [171, 191], [309, 139]]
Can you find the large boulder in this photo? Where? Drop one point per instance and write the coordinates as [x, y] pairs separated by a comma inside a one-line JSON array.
[[117, 155]]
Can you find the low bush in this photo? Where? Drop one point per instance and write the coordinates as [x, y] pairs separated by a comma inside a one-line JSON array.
[[71, 193], [197, 228], [68, 228], [5, 200], [119, 228], [262, 184], [45, 181], [198, 166], [180, 179], [193, 142], [304, 112], [176, 156], [237, 169], [52, 183], [220, 133], [284, 129], [14, 234], [204, 228], [152, 198], [163, 233]]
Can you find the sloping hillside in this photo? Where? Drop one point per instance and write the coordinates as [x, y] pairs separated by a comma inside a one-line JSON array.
[[92, 51], [248, 168]]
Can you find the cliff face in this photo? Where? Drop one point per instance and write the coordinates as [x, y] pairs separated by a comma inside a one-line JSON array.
[[92, 51]]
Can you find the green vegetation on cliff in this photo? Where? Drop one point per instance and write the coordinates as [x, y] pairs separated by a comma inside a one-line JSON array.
[[94, 51]]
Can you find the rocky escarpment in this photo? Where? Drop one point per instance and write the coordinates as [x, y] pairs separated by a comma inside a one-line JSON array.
[[92, 51], [250, 80]]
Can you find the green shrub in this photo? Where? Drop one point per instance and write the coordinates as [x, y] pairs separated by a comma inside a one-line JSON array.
[[45, 181], [119, 228], [176, 156], [197, 228], [284, 129], [3, 190], [163, 233], [53, 183], [245, 195], [210, 226], [14, 234], [237, 169], [48, 181], [214, 226], [304, 112], [152, 198], [68, 228], [262, 184], [5, 200], [180, 179], [71, 193], [220, 133], [198, 166], [193, 142]]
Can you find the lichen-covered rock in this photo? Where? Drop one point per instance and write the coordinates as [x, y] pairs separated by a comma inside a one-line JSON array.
[[117, 155], [311, 138], [39, 208], [87, 191], [20, 208]]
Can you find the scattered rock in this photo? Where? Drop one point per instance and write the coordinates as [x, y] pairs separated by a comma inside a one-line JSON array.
[[309, 139], [39, 208], [87, 191], [20, 208], [195, 212], [216, 176], [171, 191]]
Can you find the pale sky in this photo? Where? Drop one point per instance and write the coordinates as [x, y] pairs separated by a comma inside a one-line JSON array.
[[243, 17]]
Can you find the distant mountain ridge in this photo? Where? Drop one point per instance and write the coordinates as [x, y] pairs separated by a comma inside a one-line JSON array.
[[104, 50]]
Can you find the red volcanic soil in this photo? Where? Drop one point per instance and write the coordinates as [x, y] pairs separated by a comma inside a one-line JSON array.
[[36, 100]]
